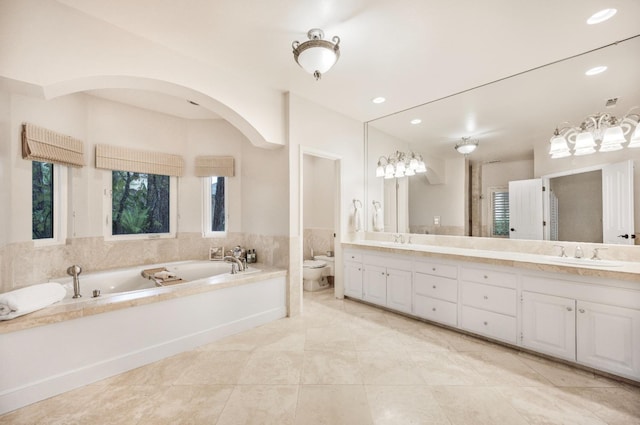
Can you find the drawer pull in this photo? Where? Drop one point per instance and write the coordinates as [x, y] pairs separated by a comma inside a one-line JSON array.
[[486, 298], [434, 309], [581, 310], [382, 273], [434, 286], [486, 323], [486, 277], [569, 309], [433, 269]]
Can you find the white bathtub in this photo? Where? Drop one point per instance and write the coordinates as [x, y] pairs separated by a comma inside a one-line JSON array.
[[130, 279]]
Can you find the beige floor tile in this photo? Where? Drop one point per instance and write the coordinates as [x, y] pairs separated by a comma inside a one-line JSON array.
[[549, 405], [393, 405], [414, 340], [214, 368], [377, 340], [188, 405], [333, 405], [446, 368], [615, 406], [400, 322], [476, 406], [260, 405], [272, 367], [388, 368], [505, 369], [331, 367], [163, 372], [566, 376], [283, 341], [329, 338]]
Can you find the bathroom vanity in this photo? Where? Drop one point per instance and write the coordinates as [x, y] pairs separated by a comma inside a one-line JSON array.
[[580, 311]]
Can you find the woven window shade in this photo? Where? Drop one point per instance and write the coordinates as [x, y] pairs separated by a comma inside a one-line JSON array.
[[221, 166], [125, 159], [40, 144]]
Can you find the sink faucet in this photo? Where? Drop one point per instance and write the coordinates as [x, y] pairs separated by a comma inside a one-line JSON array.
[[75, 271], [596, 251], [578, 253], [562, 252], [398, 238], [234, 262]]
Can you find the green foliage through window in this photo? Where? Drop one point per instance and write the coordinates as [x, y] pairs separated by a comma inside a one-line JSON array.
[[500, 202], [217, 204], [140, 203], [41, 200]]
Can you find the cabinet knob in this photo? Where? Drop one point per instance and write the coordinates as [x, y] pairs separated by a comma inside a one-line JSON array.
[[353, 257], [387, 274], [434, 309], [434, 286], [581, 310], [486, 298], [433, 269], [359, 269], [569, 309], [486, 277], [382, 273], [486, 323]]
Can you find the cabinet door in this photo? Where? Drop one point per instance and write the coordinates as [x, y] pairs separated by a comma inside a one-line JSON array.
[[374, 286], [399, 290], [353, 280], [549, 324], [609, 338]]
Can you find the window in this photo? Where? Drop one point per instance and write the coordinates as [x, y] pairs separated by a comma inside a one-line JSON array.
[[48, 202], [215, 206], [141, 204], [499, 212]]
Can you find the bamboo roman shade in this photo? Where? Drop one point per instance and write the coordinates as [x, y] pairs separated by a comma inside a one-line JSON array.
[[221, 166], [125, 159], [40, 144]]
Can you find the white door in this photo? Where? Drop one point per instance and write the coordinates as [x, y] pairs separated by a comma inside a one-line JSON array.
[[549, 324], [353, 280], [617, 203], [525, 209], [609, 338], [399, 292], [374, 285]]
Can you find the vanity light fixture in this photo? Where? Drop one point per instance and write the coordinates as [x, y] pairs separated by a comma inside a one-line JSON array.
[[466, 146], [603, 128], [316, 55], [601, 16], [400, 164]]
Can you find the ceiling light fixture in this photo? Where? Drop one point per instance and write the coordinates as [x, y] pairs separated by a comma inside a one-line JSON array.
[[466, 146], [601, 16], [400, 164], [596, 70], [607, 130], [378, 100], [416, 121], [316, 56]]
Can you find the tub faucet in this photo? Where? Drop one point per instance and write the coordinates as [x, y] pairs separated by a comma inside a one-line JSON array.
[[75, 271], [234, 262], [562, 251]]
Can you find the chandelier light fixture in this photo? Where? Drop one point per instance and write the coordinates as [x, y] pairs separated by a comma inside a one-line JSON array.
[[400, 164], [316, 55], [601, 132], [466, 146]]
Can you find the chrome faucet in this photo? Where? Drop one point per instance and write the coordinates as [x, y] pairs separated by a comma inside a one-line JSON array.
[[596, 251], [578, 253], [562, 252], [75, 271], [234, 262]]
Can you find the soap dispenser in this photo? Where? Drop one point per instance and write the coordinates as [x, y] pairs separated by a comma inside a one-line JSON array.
[[579, 253]]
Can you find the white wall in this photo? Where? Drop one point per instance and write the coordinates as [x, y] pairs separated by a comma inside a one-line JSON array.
[[318, 192]]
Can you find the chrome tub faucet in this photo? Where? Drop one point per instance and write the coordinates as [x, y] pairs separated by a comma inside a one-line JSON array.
[[75, 271]]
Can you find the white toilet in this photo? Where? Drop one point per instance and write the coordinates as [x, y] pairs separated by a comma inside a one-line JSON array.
[[315, 273]]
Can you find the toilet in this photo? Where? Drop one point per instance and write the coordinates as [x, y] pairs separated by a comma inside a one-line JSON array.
[[315, 273]]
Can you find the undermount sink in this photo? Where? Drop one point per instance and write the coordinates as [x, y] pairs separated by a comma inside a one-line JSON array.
[[586, 262]]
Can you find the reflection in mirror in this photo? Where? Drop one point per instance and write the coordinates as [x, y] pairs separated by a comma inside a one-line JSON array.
[[514, 120]]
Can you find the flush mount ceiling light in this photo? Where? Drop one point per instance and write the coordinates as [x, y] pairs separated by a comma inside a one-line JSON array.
[[316, 56], [378, 100], [607, 130], [601, 16], [596, 70], [466, 146], [416, 121], [400, 164]]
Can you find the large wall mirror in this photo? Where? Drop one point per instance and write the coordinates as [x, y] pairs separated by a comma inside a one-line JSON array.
[[513, 120]]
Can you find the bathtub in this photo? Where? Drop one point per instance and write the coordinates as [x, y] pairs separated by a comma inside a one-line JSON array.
[[131, 279]]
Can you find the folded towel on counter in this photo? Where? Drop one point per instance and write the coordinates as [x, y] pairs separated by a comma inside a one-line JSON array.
[[26, 300], [165, 274]]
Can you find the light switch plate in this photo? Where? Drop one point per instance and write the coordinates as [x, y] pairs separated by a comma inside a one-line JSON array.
[[436, 220]]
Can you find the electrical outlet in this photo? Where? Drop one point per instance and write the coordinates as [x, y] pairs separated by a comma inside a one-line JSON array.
[[436, 220]]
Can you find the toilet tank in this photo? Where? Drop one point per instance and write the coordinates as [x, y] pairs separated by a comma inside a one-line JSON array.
[[330, 264]]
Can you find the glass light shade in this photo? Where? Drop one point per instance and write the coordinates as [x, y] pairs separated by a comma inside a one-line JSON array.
[[613, 135], [422, 168], [400, 167], [399, 173], [413, 164], [560, 154], [635, 138], [317, 58], [559, 146], [409, 172], [466, 148], [380, 171], [585, 144]]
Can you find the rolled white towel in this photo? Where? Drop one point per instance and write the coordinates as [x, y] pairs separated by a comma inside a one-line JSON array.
[[26, 300], [165, 274]]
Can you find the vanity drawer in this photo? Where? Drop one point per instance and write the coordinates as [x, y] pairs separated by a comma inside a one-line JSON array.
[[443, 270], [435, 287], [436, 310], [490, 277], [490, 324], [487, 297], [352, 256]]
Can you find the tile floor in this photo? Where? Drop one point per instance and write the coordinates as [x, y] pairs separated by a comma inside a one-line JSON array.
[[343, 362]]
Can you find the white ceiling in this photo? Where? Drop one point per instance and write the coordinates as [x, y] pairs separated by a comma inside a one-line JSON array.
[[409, 51]]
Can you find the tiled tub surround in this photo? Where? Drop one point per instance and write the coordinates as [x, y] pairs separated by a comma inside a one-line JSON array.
[[22, 264], [320, 240], [586, 315], [78, 342]]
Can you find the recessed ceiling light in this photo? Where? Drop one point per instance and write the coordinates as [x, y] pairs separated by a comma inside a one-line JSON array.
[[379, 99], [416, 121], [596, 70], [601, 16]]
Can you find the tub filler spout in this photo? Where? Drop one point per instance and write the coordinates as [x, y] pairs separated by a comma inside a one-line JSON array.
[[236, 265], [75, 271]]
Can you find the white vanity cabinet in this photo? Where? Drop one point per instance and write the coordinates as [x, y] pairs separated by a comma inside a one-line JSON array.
[[489, 303], [387, 282], [353, 278], [435, 292], [590, 324]]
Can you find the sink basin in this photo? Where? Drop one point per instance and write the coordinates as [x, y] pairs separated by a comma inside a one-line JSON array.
[[586, 262]]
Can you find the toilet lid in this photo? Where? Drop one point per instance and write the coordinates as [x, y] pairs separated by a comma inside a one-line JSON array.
[[313, 264]]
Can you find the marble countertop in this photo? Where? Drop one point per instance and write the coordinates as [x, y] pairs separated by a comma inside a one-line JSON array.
[[620, 270], [69, 309]]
